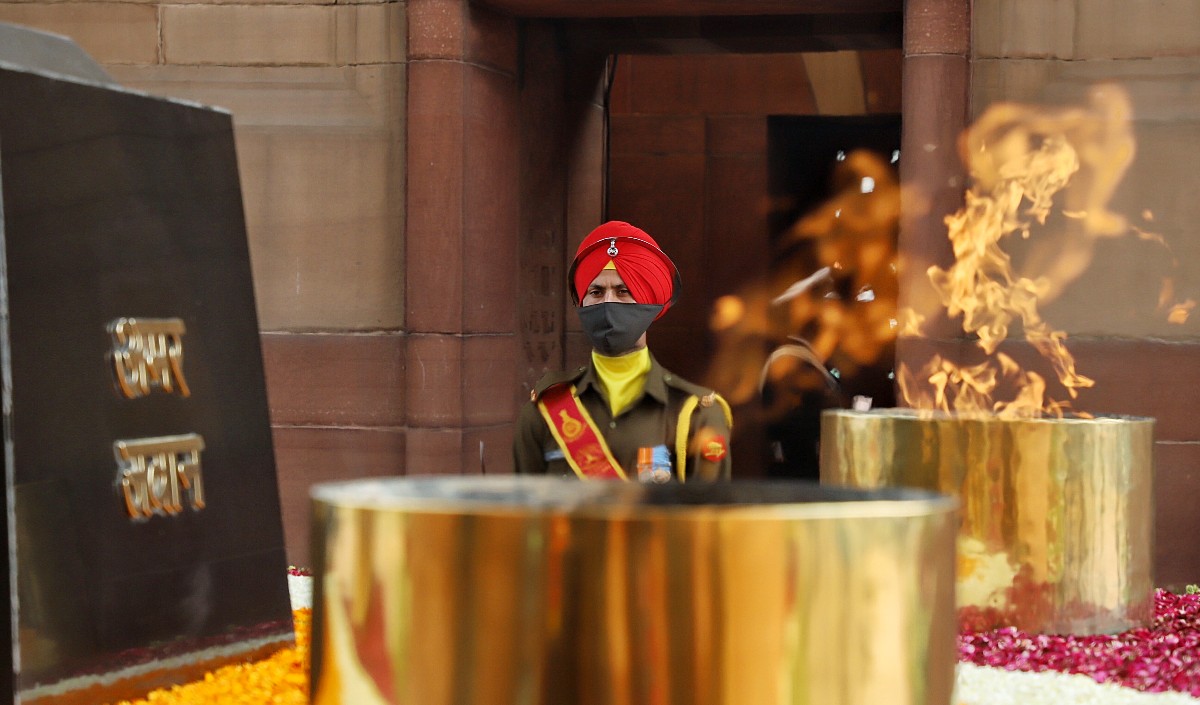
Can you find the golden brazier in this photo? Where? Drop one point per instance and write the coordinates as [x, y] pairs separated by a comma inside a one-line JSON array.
[[1057, 514], [539, 591]]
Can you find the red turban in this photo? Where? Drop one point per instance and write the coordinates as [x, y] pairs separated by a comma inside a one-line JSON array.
[[647, 271]]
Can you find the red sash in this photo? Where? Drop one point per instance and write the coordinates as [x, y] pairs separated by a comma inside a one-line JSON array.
[[581, 442]]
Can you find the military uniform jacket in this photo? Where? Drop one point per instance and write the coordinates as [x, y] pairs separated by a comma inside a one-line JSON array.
[[650, 420]]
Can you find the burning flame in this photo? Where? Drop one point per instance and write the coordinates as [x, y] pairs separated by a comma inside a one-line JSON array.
[[1021, 160], [833, 290], [1179, 312], [1041, 183]]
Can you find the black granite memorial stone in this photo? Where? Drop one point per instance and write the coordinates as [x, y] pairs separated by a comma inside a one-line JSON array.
[[143, 531]]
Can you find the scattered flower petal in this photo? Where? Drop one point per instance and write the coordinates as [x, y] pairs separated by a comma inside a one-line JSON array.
[[1162, 657], [979, 685]]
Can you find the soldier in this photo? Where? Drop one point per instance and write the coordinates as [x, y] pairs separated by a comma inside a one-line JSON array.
[[622, 416]]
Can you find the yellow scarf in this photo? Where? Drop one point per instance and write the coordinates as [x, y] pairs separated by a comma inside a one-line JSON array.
[[623, 377]]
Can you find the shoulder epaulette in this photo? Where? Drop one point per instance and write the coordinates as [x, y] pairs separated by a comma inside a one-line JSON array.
[[684, 424], [677, 382], [551, 379]]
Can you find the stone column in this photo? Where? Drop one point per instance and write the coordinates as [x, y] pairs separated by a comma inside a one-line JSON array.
[[937, 36], [461, 252]]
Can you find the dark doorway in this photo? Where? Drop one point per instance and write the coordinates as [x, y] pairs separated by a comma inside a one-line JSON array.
[[818, 167], [804, 151]]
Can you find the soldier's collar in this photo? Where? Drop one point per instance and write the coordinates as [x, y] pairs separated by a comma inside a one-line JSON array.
[[656, 380]]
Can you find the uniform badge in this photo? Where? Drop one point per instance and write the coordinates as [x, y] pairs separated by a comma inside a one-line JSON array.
[[572, 428], [714, 449]]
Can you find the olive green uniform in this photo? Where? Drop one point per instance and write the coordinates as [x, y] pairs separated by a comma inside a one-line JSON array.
[[650, 420]]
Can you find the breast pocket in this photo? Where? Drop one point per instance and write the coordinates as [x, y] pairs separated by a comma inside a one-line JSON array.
[[556, 463]]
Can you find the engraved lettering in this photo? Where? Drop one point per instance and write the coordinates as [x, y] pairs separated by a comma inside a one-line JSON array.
[[155, 474], [147, 354]]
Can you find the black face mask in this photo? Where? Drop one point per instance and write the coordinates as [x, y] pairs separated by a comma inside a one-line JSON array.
[[614, 328]]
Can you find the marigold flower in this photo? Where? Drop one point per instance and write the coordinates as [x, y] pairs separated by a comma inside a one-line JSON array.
[[281, 678]]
